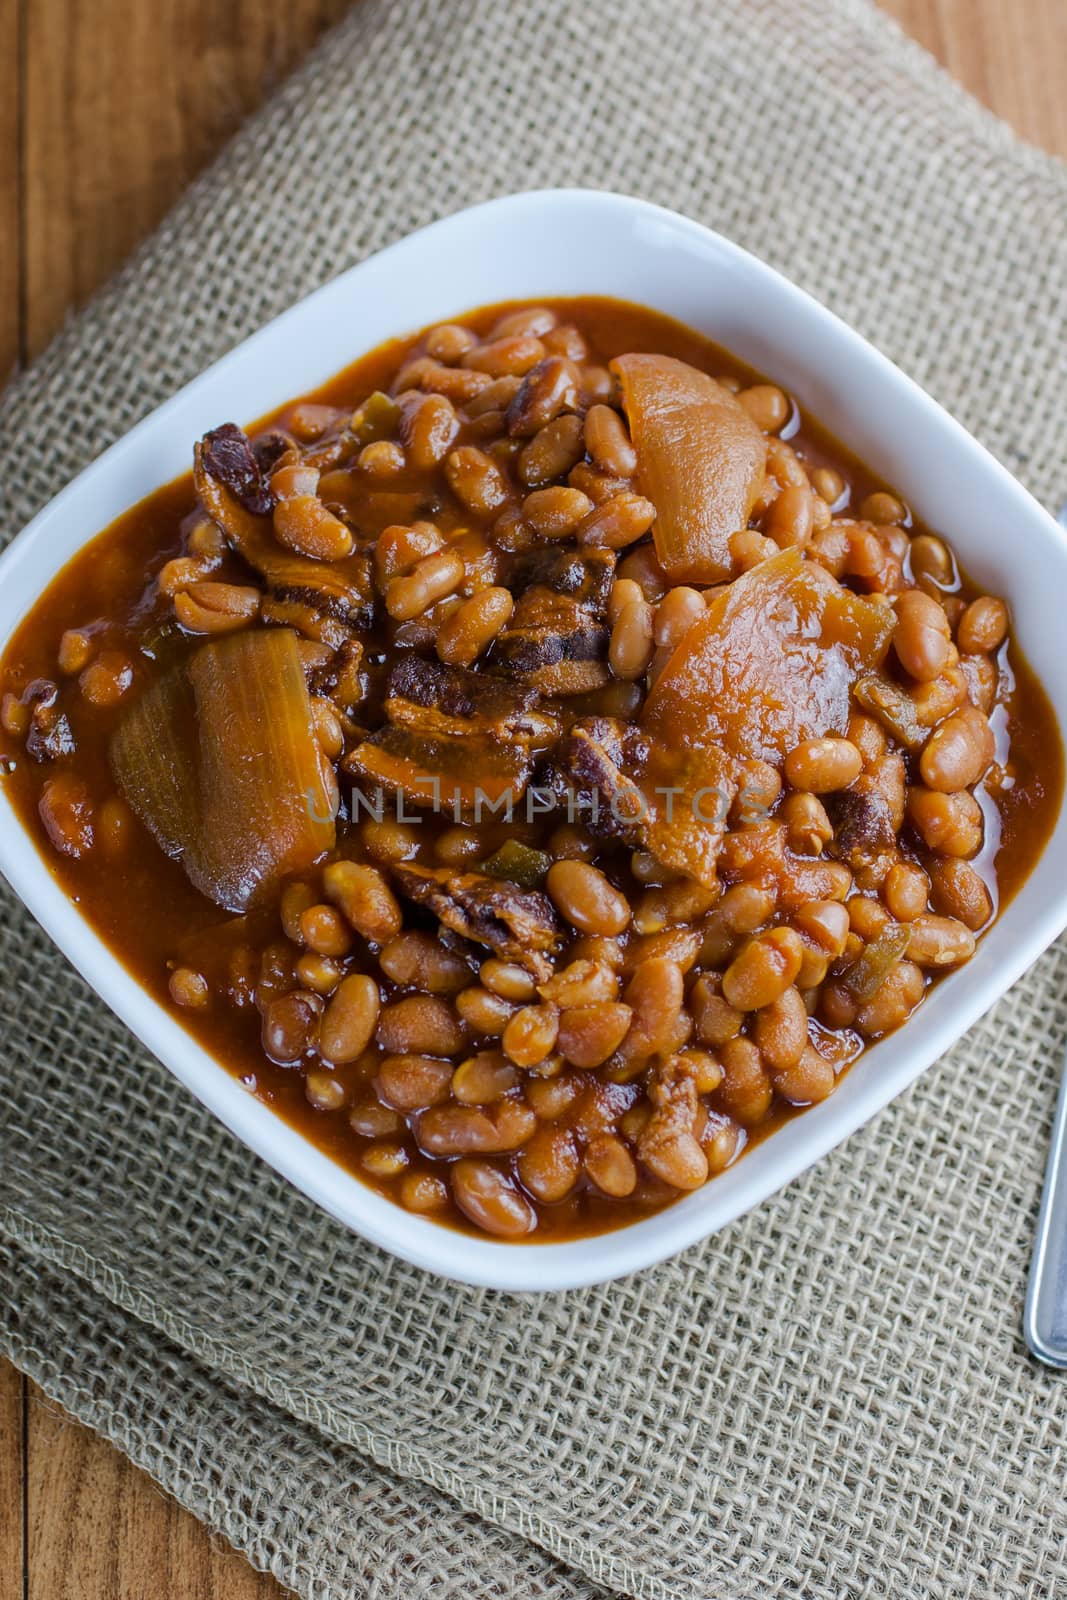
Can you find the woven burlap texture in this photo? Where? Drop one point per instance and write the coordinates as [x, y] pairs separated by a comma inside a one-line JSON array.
[[829, 1399]]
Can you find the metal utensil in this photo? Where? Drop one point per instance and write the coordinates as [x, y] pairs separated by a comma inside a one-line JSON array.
[[1045, 1316]]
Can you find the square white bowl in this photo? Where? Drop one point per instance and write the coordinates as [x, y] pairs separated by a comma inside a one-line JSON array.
[[546, 244]]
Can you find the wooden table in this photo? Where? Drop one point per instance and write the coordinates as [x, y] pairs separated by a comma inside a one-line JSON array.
[[85, 172]]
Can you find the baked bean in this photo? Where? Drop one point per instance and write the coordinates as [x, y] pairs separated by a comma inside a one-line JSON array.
[[453, 1130], [566, 340], [302, 523], [320, 973], [588, 1035], [584, 896], [721, 1141], [449, 341], [655, 995], [780, 1031], [807, 1080], [828, 484], [389, 840], [983, 680], [106, 679], [934, 701], [484, 1012], [983, 626], [373, 1120], [534, 321], [549, 1164], [905, 890], [745, 907], [350, 1019], [476, 480], [361, 893], [66, 812], [763, 970], [429, 430], [552, 452], [894, 1002], [921, 638], [189, 989], [510, 356], [384, 1160], [676, 614], [422, 1192], [868, 735], [867, 917], [716, 1019], [325, 1092], [290, 1025], [608, 442], [487, 1196], [421, 1024], [508, 980], [308, 421], [610, 1165], [808, 828], [951, 824], [14, 716], [746, 1091], [790, 521], [555, 513], [328, 729], [114, 827], [883, 507], [431, 579], [585, 981], [958, 752], [75, 651], [324, 930], [413, 1082], [931, 558], [940, 942], [822, 766], [416, 960], [483, 1078], [458, 845], [399, 547], [624, 592], [530, 1035], [767, 405], [642, 567], [617, 522], [631, 645], [598, 384], [683, 946], [957, 890], [460, 384], [549, 388]]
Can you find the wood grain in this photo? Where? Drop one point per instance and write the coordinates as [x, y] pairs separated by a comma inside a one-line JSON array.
[[108, 108]]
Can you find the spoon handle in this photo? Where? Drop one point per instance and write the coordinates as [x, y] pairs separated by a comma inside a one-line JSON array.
[[1045, 1317]]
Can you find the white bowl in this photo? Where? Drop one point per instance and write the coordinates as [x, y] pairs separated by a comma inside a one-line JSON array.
[[574, 243]]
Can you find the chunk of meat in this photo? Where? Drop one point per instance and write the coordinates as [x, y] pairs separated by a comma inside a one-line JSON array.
[[582, 575], [700, 460], [771, 664], [231, 460], [863, 825], [438, 700], [517, 924], [588, 772], [49, 735], [472, 776], [342, 590], [558, 635]]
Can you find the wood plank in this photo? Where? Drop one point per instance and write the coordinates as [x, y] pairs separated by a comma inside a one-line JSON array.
[[101, 1530], [12, 1547], [10, 188], [124, 103], [1011, 54]]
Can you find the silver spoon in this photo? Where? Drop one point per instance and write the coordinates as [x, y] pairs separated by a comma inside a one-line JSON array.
[[1045, 1316]]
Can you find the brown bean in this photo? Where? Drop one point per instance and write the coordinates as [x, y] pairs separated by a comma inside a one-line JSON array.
[[828, 484], [951, 824], [66, 813], [905, 890], [655, 995], [746, 1091], [894, 1002], [617, 522], [530, 1035], [676, 613], [555, 513], [807, 1080], [490, 1200], [350, 1018], [588, 1035], [957, 890], [413, 1082], [552, 452], [808, 828], [780, 1031], [429, 430], [983, 626], [822, 766], [511, 356], [449, 341], [608, 442], [373, 1120], [531, 320], [883, 507], [321, 973], [585, 897], [763, 969], [716, 1019], [940, 942], [324, 1091], [631, 645], [189, 988], [922, 638], [483, 1078], [547, 389], [432, 578], [549, 1164], [422, 1192], [384, 1160], [610, 1165], [302, 523], [507, 979], [790, 521], [476, 480], [419, 961], [290, 1023], [767, 405], [453, 1130], [361, 893], [958, 752], [931, 558], [107, 677], [421, 1024], [483, 1012], [324, 930]]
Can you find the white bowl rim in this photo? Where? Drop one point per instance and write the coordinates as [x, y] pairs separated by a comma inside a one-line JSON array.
[[883, 1071]]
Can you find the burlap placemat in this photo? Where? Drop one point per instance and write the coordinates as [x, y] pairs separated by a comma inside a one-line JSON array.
[[830, 1398]]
